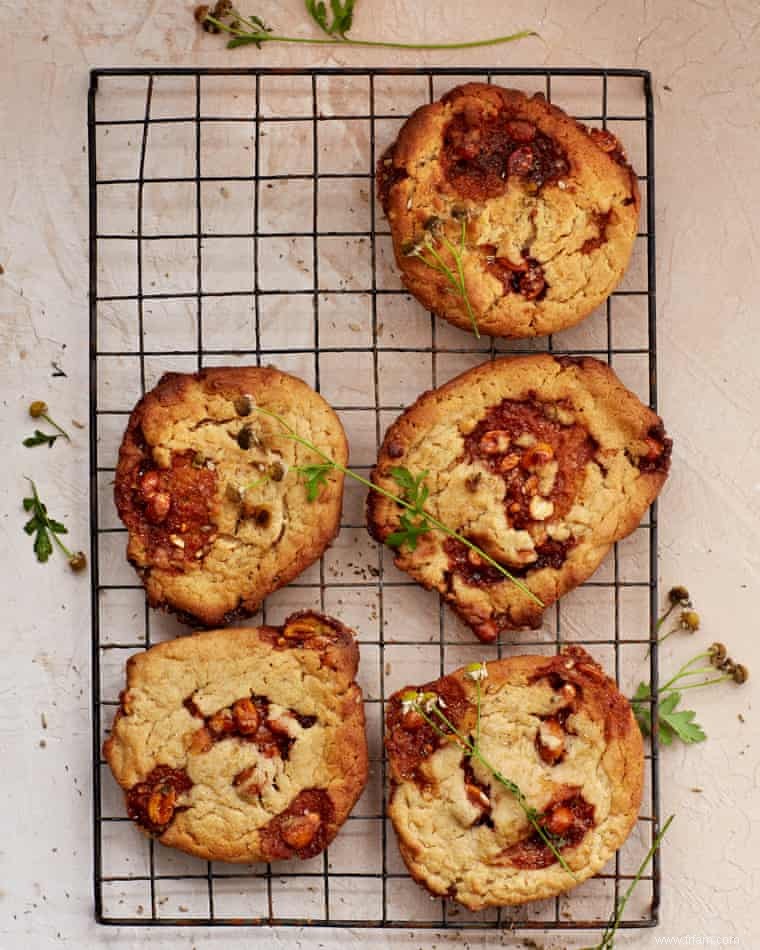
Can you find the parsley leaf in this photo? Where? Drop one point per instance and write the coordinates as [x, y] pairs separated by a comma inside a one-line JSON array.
[[46, 530], [641, 709], [673, 723], [412, 489], [408, 532], [318, 13], [342, 16], [679, 723], [412, 523], [40, 526], [315, 476], [39, 438]]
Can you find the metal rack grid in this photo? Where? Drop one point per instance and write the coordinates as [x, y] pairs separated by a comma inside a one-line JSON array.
[[176, 156]]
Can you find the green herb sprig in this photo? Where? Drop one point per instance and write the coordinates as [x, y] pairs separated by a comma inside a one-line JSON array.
[[252, 30], [47, 530], [315, 477], [429, 705], [415, 520], [673, 721], [427, 252], [608, 937], [40, 438], [39, 410], [411, 525]]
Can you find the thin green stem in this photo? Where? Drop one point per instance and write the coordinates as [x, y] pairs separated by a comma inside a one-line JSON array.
[[243, 39], [680, 689], [663, 618], [670, 686], [457, 281], [458, 255], [477, 721], [55, 425], [240, 34], [511, 786], [256, 27], [608, 937], [665, 636], [257, 482], [291, 434], [685, 671], [441, 266], [460, 262]]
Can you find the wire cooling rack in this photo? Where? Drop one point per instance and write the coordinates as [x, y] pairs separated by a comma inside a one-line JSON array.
[[233, 221]]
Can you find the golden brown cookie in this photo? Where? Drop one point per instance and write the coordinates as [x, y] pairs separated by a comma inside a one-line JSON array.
[[549, 210], [560, 730], [243, 744], [542, 462], [215, 523]]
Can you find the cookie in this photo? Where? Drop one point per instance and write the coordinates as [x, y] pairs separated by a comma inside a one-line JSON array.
[[543, 211], [216, 521], [541, 462], [243, 744], [560, 730]]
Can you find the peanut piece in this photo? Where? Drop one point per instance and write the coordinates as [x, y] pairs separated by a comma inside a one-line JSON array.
[[201, 741], [541, 508], [495, 442], [246, 716], [149, 483], [509, 462], [298, 832], [550, 741], [559, 820], [157, 507], [539, 454], [302, 629], [161, 805], [477, 796], [221, 722]]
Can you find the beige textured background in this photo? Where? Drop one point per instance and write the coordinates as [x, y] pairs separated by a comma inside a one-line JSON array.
[[704, 57]]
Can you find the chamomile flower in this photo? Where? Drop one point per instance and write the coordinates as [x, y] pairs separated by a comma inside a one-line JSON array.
[[429, 701], [477, 671]]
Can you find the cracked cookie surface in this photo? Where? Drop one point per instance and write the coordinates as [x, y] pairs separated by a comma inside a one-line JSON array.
[[243, 744], [216, 519], [551, 209], [557, 727], [542, 462]]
